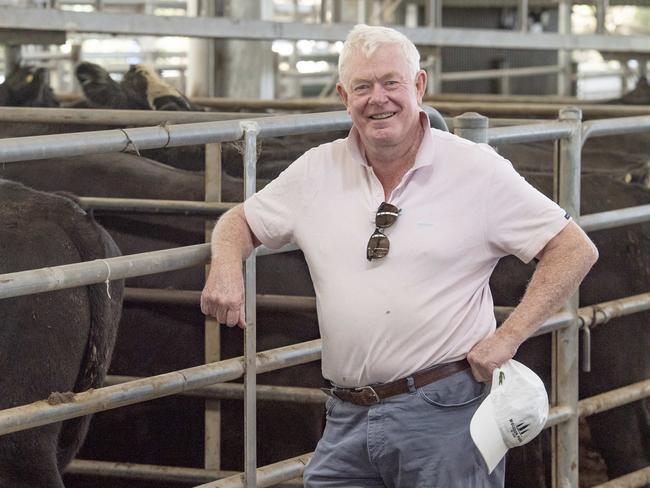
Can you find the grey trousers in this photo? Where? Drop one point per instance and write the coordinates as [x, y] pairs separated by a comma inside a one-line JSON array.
[[415, 440]]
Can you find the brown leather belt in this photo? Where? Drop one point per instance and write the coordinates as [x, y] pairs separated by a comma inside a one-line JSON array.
[[369, 395]]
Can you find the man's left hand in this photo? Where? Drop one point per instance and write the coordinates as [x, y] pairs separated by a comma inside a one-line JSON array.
[[491, 353]]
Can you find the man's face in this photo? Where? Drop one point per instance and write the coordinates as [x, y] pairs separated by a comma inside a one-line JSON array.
[[382, 97]]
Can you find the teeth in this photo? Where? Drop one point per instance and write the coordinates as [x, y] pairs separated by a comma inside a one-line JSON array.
[[382, 116]]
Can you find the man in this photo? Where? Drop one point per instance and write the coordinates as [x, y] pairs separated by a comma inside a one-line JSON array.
[[411, 314]]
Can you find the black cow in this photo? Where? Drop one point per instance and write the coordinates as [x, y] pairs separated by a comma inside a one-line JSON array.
[[27, 86], [50, 343]]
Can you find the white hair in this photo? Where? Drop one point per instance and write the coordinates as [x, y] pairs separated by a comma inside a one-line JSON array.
[[366, 39]]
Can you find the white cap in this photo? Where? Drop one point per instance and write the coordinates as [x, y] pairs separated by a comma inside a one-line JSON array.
[[512, 414]]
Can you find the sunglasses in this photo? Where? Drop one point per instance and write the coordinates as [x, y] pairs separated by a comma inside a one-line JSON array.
[[378, 244]]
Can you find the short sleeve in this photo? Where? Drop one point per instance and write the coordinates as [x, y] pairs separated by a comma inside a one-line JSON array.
[[520, 219], [272, 212]]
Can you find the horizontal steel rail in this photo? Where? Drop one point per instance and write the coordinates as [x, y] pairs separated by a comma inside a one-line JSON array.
[[637, 479], [132, 139], [602, 313], [615, 218], [615, 126], [100, 116], [500, 73], [450, 103], [148, 206], [79, 404], [266, 475], [253, 104], [235, 391], [614, 398], [152, 472], [528, 133], [121, 140], [544, 110], [99, 270], [192, 298], [557, 415], [147, 472]]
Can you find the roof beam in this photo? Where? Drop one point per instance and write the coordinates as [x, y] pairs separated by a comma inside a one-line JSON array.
[[225, 28]]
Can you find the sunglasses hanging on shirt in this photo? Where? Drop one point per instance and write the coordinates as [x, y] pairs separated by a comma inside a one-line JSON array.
[[378, 244]]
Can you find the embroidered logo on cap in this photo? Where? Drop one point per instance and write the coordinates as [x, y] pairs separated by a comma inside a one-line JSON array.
[[518, 430]]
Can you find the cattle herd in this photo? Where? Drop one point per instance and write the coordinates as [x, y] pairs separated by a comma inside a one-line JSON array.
[[62, 341]]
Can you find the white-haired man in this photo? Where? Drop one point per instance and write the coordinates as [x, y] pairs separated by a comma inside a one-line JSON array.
[[401, 226]]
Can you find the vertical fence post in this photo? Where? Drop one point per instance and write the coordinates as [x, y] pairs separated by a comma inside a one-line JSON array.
[[565, 341], [250, 347], [522, 14], [434, 20], [564, 55], [212, 333], [601, 16], [471, 126]]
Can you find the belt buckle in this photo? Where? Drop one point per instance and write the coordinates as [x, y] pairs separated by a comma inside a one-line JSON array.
[[374, 398]]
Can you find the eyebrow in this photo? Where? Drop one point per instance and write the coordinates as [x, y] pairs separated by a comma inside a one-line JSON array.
[[392, 74]]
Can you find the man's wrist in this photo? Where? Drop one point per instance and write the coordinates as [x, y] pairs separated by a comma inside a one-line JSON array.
[[512, 335]]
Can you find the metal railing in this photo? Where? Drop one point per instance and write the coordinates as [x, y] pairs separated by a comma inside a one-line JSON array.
[[565, 409]]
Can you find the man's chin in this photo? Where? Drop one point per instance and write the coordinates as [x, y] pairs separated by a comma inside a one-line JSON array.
[[384, 139]]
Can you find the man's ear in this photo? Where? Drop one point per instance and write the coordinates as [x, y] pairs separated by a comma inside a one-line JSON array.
[[420, 84], [340, 89]]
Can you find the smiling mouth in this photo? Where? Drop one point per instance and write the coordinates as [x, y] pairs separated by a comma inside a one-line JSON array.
[[385, 115]]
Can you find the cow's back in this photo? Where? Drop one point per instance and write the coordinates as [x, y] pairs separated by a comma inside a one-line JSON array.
[[59, 341]]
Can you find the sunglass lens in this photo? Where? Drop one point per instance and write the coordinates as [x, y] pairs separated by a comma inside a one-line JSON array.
[[378, 246], [386, 215]]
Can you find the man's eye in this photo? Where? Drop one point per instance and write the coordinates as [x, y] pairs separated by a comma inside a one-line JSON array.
[[360, 88], [391, 83]]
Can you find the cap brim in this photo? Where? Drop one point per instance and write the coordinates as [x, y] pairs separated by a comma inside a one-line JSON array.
[[486, 435]]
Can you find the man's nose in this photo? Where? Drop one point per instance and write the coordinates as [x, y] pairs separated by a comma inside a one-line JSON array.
[[378, 93]]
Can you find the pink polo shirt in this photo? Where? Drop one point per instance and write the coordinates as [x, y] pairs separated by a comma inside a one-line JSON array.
[[428, 301]]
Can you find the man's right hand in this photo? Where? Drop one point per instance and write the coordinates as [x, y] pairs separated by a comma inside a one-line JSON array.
[[223, 295]]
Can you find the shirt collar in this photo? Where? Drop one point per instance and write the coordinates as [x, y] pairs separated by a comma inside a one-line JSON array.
[[424, 156]]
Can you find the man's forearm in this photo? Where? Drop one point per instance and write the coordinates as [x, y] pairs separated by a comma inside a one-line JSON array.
[[563, 263], [232, 238], [223, 294], [561, 268]]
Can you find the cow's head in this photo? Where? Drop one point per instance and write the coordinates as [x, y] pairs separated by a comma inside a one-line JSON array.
[[99, 88], [27, 86], [143, 86]]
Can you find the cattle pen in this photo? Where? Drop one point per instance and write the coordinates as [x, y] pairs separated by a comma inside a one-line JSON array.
[[568, 131]]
